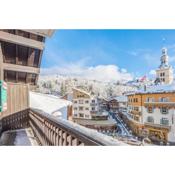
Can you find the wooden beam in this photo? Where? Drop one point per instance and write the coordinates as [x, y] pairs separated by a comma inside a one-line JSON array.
[[7, 37], [19, 68]]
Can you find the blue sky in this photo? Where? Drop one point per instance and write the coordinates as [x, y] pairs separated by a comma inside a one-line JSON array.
[[135, 52]]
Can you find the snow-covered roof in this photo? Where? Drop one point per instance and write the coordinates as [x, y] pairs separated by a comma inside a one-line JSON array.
[[156, 89], [85, 92], [48, 103], [122, 98]]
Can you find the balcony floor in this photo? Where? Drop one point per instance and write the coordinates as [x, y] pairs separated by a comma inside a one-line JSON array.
[[21, 137]]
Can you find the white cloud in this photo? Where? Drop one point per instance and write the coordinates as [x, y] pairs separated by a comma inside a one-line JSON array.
[[152, 72], [104, 73]]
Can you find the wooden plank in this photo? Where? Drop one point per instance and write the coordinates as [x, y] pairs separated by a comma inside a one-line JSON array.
[[17, 98]]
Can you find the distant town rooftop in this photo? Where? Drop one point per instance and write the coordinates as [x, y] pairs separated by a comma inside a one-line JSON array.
[[121, 98], [161, 88]]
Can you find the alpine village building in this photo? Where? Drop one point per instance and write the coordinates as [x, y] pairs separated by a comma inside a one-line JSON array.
[[151, 111], [88, 111]]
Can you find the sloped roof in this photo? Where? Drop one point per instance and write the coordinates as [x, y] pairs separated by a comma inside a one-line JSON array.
[[47, 103], [161, 88]]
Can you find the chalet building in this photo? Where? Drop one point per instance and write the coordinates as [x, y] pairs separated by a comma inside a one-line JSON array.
[[20, 55], [117, 103], [87, 112], [113, 105], [152, 112], [103, 103], [122, 102]]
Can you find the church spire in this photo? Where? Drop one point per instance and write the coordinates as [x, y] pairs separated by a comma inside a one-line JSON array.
[[164, 58]]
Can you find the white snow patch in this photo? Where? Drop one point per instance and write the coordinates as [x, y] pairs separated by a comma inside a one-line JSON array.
[[49, 104]]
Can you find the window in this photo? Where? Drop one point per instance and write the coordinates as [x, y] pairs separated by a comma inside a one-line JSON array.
[[80, 101], [136, 108], [135, 100], [75, 101], [81, 115], [136, 118], [93, 101], [9, 52], [75, 115], [163, 99], [164, 110], [87, 109], [86, 116], [10, 76], [150, 109], [86, 101], [93, 108], [150, 119], [22, 55], [164, 121], [80, 108], [75, 108], [150, 99], [22, 77]]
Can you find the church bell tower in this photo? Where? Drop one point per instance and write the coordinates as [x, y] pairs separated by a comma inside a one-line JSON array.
[[165, 71]]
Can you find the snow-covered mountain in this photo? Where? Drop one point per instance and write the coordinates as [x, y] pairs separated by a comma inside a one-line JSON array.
[[60, 85]]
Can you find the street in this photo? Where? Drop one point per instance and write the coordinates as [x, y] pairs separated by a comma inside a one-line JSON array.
[[122, 128]]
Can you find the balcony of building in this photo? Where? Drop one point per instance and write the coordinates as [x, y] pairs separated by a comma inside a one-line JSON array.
[[134, 112], [35, 127], [158, 126]]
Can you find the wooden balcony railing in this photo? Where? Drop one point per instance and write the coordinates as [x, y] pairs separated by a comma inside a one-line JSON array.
[[51, 131], [136, 112]]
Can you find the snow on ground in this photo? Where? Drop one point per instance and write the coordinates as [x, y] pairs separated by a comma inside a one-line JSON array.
[[20, 137], [49, 104]]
